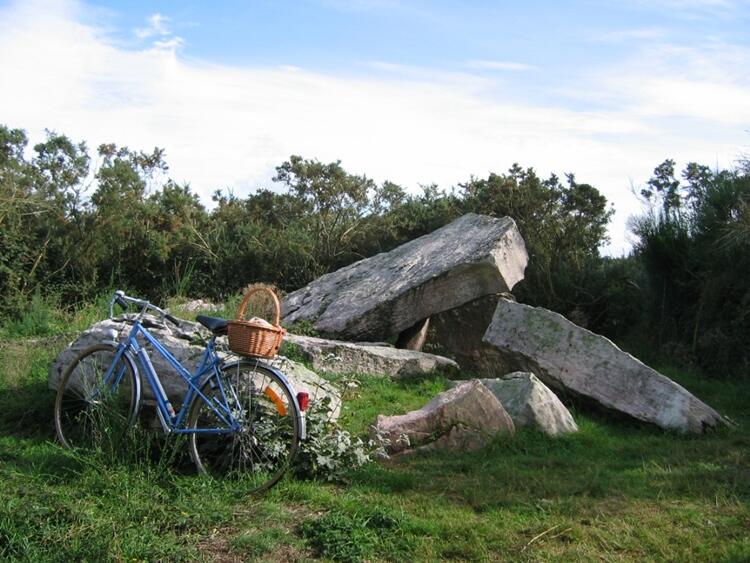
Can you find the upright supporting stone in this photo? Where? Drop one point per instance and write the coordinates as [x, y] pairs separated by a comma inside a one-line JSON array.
[[413, 338]]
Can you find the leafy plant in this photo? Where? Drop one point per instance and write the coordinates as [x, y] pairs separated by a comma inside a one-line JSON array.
[[329, 452], [359, 536]]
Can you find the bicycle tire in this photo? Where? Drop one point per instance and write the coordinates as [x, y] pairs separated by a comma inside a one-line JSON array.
[[86, 415], [266, 444]]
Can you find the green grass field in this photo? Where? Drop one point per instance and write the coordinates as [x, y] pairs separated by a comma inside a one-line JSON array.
[[616, 491]]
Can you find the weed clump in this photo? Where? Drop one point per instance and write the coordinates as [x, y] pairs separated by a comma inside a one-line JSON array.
[[40, 316], [328, 451], [358, 537]]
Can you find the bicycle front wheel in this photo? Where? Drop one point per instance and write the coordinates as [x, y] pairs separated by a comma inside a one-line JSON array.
[[265, 445], [96, 399]]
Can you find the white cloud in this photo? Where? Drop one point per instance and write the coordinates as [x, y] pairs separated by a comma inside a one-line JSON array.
[[157, 26], [500, 65], [171, 44], [227, 126], [158, 29], [636, 34], [689, 8], [709, 82]]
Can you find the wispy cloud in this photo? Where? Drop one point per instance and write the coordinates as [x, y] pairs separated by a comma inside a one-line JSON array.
[[362, 5], [381, 6], [171, 44], [637, 34], [458, 79], [228, 126], [158, 25], [690, 9], [691, 4], [500, 65], [159, 29], [708, 81]]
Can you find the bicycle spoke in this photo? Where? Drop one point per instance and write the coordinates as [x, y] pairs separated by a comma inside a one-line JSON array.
[[266, 441], [91, 409]]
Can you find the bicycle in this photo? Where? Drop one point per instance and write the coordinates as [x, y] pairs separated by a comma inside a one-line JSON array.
[[241, 416]]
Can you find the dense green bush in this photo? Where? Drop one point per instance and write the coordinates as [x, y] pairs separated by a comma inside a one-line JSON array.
[[694, 245], [70, 232]]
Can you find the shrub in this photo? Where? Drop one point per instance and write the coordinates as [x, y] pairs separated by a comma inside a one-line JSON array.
[[329, 451]]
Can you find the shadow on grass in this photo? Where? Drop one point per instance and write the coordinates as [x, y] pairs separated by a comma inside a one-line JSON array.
[[26, 410], [611, 457], [28, 444], [27, 433], [599, 462]]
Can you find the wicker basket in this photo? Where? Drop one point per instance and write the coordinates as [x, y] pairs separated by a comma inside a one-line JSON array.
[[248, 338]]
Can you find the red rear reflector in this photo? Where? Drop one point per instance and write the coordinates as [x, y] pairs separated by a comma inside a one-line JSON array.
[[303, 400]]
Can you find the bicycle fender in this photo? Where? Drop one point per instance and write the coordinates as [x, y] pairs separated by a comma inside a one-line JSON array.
[[289, 386]]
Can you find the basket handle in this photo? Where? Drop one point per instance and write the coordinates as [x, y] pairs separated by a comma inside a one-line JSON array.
[[246, 300]]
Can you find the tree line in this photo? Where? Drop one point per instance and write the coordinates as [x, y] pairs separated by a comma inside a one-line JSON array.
[[75, 223]]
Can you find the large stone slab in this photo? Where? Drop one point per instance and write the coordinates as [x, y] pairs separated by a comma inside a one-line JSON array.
[[529, 402], [335, 356], [183, 343], [573, 359], [383, 295], [466, 417]]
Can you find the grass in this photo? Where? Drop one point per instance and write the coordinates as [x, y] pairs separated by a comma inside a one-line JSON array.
[[44, 317], [615, 491]]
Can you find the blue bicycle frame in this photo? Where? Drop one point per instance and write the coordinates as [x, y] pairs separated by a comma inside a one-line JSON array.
[[208, 367]]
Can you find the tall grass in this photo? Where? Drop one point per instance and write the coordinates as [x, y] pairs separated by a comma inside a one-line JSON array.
[[39, 317], [46, 315], [616, 490], [181, 281]]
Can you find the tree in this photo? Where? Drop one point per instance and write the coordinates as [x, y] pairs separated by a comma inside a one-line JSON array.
[[18, 204], [42, 211], [563, 226], [699, 292], [332, 204]]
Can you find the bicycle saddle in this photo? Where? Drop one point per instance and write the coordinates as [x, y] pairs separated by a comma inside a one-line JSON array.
[[214, 324]]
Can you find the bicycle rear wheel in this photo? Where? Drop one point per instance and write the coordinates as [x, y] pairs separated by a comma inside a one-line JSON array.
[[95, 406], [266, 443]]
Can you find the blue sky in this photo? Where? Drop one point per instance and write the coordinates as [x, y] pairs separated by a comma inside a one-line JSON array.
[[557, 40], [415, 92], [331, 35]]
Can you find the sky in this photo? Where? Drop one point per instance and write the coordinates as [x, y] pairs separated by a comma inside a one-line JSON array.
[[416, 92]]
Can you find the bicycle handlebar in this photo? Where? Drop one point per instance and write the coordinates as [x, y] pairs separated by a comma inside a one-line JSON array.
[[124, 301]]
